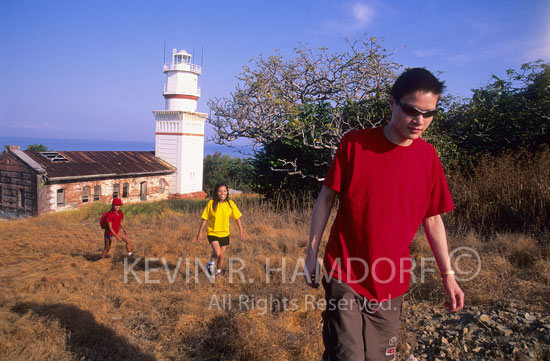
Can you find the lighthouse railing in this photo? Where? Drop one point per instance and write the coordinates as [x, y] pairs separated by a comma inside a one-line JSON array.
[[183, 67]]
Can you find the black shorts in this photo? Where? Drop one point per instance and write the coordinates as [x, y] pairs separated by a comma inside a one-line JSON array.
[[224, 241]]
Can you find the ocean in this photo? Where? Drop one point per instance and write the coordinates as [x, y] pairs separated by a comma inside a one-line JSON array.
[[90, 144]]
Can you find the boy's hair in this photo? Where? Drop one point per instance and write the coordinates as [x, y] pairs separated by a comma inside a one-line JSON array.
[[216, 198], [416, 79]]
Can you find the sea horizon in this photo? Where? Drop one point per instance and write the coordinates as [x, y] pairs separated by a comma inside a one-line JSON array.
[[57, 144]]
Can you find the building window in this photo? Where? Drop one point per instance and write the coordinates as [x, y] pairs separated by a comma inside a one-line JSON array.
[[21, 198], [125, 190], [161, 186], [116, 190], [97, 193], [85, 194], [143, 191], [60, 197]]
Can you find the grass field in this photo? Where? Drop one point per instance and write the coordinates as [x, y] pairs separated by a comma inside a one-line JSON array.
[[60, 301]]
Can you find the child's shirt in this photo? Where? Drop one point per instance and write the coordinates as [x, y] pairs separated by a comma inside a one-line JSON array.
[[115, 218], [218, 221]]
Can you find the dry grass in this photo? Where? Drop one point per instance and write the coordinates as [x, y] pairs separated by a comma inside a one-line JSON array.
[[59, 301], [510, 193]]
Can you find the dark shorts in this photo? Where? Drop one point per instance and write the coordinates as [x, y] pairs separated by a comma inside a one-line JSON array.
[[356, 329], [224, 241]]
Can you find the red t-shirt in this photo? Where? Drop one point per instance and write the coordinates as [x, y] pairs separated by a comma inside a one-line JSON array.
[[116, 218], [386, 191]]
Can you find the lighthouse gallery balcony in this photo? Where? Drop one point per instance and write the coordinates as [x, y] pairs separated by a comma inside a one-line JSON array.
[[193, 68]]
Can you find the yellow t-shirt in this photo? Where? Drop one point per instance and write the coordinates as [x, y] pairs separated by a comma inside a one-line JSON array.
[[218, 221]]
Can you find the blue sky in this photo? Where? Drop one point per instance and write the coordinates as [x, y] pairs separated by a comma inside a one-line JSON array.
[[93, 69]]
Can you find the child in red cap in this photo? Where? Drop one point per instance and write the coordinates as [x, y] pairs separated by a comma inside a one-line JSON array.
[[113, 224]]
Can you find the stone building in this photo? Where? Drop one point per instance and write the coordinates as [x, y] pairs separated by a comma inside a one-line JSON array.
[[33, 183]]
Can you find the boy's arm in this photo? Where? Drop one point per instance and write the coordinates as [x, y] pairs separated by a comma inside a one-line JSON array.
[[435, 232], [321, 213], [240, 225], [201, 228]]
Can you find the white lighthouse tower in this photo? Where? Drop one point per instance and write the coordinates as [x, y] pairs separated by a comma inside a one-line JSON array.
[[179, 135]]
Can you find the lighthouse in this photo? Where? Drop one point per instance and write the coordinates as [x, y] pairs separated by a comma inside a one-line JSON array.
[[179, 131]]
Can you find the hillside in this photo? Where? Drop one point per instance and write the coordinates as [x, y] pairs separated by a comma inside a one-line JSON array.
[[59, 301]]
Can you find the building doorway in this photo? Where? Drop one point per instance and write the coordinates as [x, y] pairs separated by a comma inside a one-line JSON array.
[[143, 191]]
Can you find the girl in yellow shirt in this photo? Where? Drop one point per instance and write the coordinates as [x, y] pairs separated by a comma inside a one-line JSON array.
[[216, 214]]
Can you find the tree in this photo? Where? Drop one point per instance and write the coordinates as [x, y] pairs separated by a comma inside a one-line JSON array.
[[37, 148], [235, 172], [507, 114], [305, 104]]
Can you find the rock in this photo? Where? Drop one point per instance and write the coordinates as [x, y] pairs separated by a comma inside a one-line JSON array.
[[477, 349], [529, 317], [427, 340], [235, 192], [504, 330], [465, 330], [484, 318], [444, 341]]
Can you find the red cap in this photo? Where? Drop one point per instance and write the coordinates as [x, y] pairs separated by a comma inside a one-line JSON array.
[[117, 202]]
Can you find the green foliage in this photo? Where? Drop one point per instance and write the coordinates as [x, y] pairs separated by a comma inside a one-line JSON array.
[[507, 114], [37, 148], [233, 171]]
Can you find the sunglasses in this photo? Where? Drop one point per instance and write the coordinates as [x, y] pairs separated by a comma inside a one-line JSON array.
[[414, 111]]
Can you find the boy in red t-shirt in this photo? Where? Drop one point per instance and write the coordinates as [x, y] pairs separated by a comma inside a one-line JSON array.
[[389, 181], [114, 223]]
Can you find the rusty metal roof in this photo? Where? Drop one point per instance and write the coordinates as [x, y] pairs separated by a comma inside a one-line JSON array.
[[101, 164]]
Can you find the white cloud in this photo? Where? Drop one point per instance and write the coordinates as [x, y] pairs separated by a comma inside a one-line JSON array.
[[428, 53], [362, 13], [353, 17], [536, 53], [31, 125]]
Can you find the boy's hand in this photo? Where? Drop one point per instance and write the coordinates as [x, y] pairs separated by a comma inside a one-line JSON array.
[[455, 296], [310, 271], [243, 237], [199, 238]]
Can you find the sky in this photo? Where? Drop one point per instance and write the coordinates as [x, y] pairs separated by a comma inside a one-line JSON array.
[[93, 69]]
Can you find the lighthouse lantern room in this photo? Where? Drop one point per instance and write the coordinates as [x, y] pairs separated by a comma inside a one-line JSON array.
[[179, 134]]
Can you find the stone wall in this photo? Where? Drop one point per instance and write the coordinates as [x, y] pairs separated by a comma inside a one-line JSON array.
[[18, 184], [73, 192]]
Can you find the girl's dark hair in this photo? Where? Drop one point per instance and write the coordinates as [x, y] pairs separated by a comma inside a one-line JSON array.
[[216, 198]]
